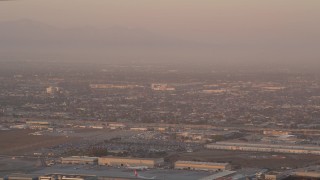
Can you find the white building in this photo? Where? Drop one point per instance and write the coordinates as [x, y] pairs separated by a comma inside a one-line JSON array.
[[278, 148], [205, 166], [79, 160]]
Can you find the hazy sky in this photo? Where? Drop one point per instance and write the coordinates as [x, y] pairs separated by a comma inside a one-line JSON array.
[[194, 18], [268, 24]]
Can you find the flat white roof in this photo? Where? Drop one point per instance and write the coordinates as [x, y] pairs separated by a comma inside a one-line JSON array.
[[79, 158], [282, 146], [124, 158], [207, 163]]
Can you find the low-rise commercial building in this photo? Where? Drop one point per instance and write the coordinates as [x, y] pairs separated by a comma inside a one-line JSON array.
[[79, 160], [275, 133], [21, 177], [119, 161], [273, 176], [205, 166], [138, 129], [265, 148], [38, 124], [67, 177], [307, 174], [116, 125]]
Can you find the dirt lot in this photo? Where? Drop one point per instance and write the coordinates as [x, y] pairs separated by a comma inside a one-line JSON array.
[[251, 159], [19, 142]]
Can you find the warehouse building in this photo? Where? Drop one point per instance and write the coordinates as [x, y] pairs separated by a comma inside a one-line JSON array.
[[205, 166], [307, 174], [79, 160], [21, 177], [38, 124], [265, 148], [119, 161], [274, 176], [67, 177]]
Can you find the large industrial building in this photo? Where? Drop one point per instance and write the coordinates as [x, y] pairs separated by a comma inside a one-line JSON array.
[[161, 87], [119, 161], [274, 176], [79, 160], [21, 177], [38, 124], [205, 166], [310, 175], [67, 177], [265, 148]]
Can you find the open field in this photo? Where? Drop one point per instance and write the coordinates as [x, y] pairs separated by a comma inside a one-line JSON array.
[[18, 165], [19, 142]]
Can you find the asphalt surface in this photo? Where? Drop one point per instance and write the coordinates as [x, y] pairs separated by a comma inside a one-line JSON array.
[[103, 171]]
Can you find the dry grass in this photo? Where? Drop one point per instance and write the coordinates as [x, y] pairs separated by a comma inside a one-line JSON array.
[[18, 142]]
